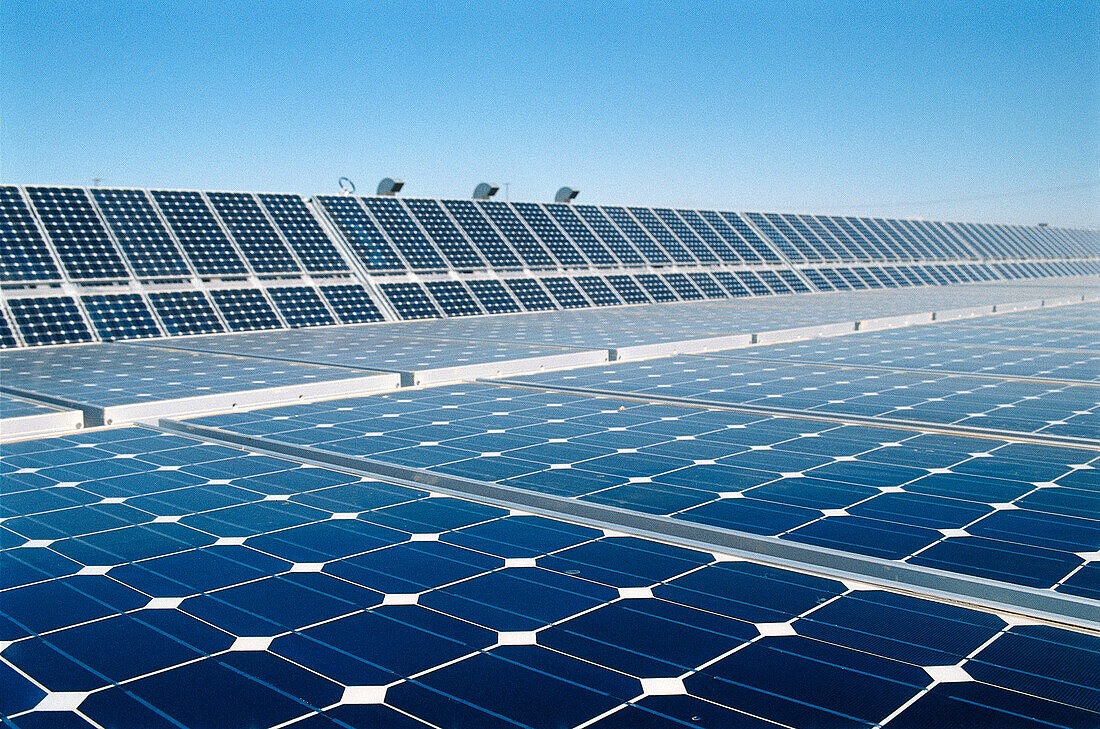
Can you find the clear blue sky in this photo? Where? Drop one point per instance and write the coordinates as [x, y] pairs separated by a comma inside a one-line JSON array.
[[918, 109]]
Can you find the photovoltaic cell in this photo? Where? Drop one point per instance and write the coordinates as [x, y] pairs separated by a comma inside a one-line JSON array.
[[120, 316], [186, 312], [453, 298], [447, 238], [732, 238], [23, 252], [731, 284], [304, 234], [7, 334], [706, 283], [530, 294], [49, 320], [198, 232], [713, 241], [366, 241], [144, 240], [494, 298], [565, 292], [301, 306], [404, 233], [245, 309], [662, 235], [82, 243], [255, 235], [683, 286], [641, 240], [597, 291], [753, 283], [628, 289], [775, 283], [485, 238], [351, 303], [550, 234], [609, 235], [526, 245], [656, 287], [410, 300], [578, 232]]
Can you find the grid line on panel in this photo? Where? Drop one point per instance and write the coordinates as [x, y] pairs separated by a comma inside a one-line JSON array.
[[637, 235]]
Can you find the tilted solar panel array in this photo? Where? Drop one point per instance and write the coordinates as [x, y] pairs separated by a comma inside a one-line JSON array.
[[82, 264]]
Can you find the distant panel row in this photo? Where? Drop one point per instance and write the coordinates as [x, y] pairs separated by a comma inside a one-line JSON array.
[[104, 234], [116, 316]]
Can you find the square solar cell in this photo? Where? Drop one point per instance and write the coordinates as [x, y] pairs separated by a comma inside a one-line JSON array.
[[77, 233], [682, 285], [404, 233], [143, 237], [834, 278], [796, 253], [23, 252], [361, 234], [410, 300], [730, 235], [301, 306], [550, 234], [186, 312], [49, 320], [120, 316], [730, 283], [656, 287], [494, 298], [713, 240], [453, 298], [245, 309], [657, 230], [628, 289], [351, 303], [198, 232], [304, 234], [706, 283], [686, 235], [597, 290], [262, 247], [531, 295], [746, 231], [446, 236], [565, 292], [484, 236]]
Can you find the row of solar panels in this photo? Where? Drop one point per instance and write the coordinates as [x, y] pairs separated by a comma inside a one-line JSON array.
[[91, 235], [117, 316]]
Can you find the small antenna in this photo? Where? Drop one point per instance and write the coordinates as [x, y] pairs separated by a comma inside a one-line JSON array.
[[507, 191], [96, 181]]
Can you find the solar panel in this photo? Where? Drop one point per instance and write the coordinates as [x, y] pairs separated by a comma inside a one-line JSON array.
[[550, 235], [731, 284], [634, 233], [656, 287], [256, 237], [404, 234], [141, 234], [23, 252], [517, 235], [653, 226], [796, 253], [370, 247], [792, 225], [838, 281], [450, 242], [628, 289], [751, 237], [597, 291], [494, 298], [49, 320], [714, 241], [753, 283], [867, 277], [410, 300], [817, 278], [304, 234], [609, 235], [578, 232], [530, 294], [198, 232], [351, 303], [82, 243], [120, 316], [186, 312], [245, 309], [301, 306], [706, 283], [689, 238], [485, 238], [453, 298], [733, 239], [792, 280], [565, 292], [682, 285], [7, 334]]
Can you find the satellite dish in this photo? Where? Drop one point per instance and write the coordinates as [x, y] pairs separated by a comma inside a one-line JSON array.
[[347, 187], [566, 194], [484, 191], [390, 187]]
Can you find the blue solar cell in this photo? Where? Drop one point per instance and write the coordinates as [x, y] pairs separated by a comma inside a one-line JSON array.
[[683, 286], [360, 232], [796, 251], [550, 234], [659, 232], [198, 232], [186, 312], [49, 320], [453, 298], [706, 283], [494, 298], [637, 236], [818, 279], [517, 235], [78, 235], [530, 294], [594, 249], [404, 233], [23, 252], [351, 303], [447, 238], [484, 236], [245, 309], [628, 289], [565, 292], [120, 316], [141, 234], [256, 237], [656, 287], [731, 284], [301, 306], [609, 235], [304, 234], [410, 300], [597, 291]]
